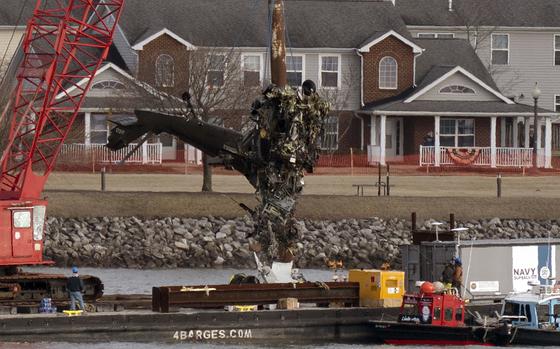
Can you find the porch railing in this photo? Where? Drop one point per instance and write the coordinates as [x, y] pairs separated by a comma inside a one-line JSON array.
[[99, 153], [505, 157]]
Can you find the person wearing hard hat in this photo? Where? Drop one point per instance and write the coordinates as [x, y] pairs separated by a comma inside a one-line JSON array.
[[75, 287], [458, 274]]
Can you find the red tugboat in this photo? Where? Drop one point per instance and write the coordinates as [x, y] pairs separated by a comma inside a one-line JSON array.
[[433, 316]]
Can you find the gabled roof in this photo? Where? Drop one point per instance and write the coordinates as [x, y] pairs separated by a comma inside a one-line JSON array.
[[149, 36], [377, 38], [104, 68], [502, 13], [455, 70], [244, 23], [442, 55]]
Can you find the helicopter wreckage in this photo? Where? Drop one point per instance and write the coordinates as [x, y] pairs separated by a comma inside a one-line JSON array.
[[273, 154]]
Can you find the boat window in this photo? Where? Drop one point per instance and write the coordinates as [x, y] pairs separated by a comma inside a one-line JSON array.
[[511, 309], [437, 313], [448, 314], [527, 313], [459, 314], [410, 309], [542, 311]]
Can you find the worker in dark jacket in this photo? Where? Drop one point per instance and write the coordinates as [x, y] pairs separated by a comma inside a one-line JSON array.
[[447, 274], [458, 274], [75, 287]]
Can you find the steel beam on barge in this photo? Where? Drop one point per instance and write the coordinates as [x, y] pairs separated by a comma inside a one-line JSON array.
[[217, 296]]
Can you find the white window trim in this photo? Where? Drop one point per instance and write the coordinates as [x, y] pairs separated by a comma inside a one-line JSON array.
[[261, 64], [436, 35], [113, 81], [162, 83], [334, 132], [302, 65], [91, 130], [456, 134], [457, 93], [554, 49], [556, 104], [499, 49], [379, 74], [339, 80], [224, 70]]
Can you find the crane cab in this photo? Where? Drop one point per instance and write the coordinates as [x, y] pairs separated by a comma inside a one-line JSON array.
[[22, 227]]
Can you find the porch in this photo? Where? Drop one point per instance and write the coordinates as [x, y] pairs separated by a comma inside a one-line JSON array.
[[494, 141], [99, 153]]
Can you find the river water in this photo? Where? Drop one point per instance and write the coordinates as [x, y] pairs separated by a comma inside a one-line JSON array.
[[132, 281]]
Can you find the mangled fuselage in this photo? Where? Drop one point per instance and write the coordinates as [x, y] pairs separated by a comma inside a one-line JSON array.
[[273, 154]]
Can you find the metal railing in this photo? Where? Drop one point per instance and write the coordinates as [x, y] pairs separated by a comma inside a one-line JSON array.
[[505, 157], [99, 153]]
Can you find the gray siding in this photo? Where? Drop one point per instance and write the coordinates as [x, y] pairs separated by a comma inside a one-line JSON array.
[[531, 60], [458, 79]]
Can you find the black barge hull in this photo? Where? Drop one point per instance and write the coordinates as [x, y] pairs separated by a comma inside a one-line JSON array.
[[281, 326], [396, 333], [506, 336]]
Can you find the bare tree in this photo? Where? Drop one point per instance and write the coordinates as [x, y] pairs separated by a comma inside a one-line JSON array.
[[339, 99], [221, 86]]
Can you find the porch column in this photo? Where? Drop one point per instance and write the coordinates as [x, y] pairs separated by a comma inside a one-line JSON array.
[[145, 152], [527, 127], [493, 141], [548, 143], [516, 132], [87, 129], [382, 139], [437, 152], [503, 132], [372, 129]]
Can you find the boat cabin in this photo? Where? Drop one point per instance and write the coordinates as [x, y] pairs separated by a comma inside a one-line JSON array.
[[444, 308], [537, 309]]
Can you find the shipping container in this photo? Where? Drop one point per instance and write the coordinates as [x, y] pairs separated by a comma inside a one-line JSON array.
[[491, 268]]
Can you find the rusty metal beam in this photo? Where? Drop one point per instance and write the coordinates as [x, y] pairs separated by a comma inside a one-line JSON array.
[[278, 46], [217, 296]]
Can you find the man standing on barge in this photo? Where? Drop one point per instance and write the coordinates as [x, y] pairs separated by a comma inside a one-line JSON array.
[[75, 287]]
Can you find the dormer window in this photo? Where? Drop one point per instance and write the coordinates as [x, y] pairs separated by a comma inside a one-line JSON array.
[[388, 73], [457, 89], [165, 71]]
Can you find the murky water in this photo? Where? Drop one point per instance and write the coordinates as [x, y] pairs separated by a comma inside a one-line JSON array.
[[132, 281]]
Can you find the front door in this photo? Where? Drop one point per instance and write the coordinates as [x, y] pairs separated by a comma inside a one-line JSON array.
[[22, 233], [169, 146], [394, 139]]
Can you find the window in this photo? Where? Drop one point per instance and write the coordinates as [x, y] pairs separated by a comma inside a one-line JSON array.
[[108, 85], [511, 309], [556, 49], [252, 70], [437, 313], [456, 89], [388, 73], [165, 71], [22, 219], [294, 68], [557, 103], [436, 35], [459, 314], [457, 132], [543, 310], [329, 71], [99, 130], [500, 49], [448, 314], [216, 70], [329, 138]]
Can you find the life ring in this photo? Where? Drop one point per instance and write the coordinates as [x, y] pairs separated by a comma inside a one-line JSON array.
[[463, 156]]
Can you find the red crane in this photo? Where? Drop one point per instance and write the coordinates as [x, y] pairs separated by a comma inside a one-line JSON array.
[[65, 42]]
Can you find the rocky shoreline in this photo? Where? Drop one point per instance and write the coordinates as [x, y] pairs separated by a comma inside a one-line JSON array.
[[217, 242]]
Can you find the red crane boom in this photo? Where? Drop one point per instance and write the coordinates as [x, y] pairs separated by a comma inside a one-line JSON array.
[[65, 43]]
